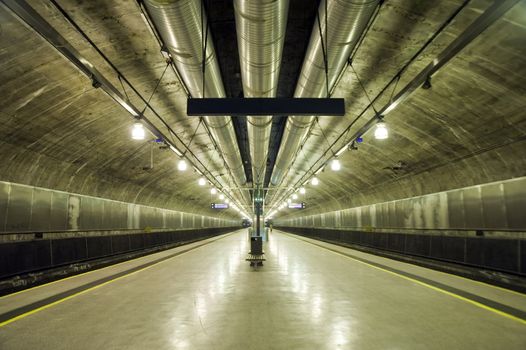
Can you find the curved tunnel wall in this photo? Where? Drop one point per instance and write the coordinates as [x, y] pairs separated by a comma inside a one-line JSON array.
[[33, 209], [450, 226], [493, 206]]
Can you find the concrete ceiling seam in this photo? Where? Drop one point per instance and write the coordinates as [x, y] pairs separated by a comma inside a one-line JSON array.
[[180, 25], [492, 13]]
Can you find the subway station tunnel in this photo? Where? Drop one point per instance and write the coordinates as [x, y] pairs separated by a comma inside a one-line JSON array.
[[125, 223]]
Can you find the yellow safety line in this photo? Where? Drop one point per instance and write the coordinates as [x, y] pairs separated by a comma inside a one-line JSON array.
[[34, 311], [441, 272], [498, 312], [100, 269], [486, 284]]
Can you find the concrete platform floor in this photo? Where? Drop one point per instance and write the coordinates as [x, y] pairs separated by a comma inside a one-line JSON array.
[[305, 297]]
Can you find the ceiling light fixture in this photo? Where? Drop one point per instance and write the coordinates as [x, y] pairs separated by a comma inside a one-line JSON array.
[[176, 151], [336, 165], [314, 181], [343, 149], [221, 196], [381, 133], [201, 181], [138, 131], [294, 196], [302, 190], [181, 165], [213, 190]]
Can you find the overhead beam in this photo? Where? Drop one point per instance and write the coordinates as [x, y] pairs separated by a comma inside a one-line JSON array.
[[238, 107]]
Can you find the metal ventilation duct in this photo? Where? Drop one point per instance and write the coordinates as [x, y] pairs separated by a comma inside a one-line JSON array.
[[261, 29], [346, 20], [179, 23]]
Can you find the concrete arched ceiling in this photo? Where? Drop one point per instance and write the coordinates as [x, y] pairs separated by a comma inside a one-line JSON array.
[[469, 128], [57, 131]]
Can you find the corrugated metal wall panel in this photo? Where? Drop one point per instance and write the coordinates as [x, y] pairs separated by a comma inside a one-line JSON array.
[[19, 208], [455, 205], [494, 206], [472, 207], [41, 209], [4, 199], [515, 198], [58, 219], [32, 209]]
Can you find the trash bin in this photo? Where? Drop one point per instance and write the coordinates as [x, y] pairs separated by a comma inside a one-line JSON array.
[[256, 245]]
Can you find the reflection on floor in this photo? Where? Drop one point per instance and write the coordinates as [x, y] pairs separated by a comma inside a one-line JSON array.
[[304, 297]]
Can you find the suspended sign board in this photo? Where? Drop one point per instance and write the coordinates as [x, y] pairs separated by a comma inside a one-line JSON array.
[[265, 106], [219, 206], [297, 205]]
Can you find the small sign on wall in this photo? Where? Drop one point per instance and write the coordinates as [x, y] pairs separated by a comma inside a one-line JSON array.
[[297, 205], [219, 206]]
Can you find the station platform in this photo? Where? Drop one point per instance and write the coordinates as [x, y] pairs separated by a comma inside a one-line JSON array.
[[308, 295]]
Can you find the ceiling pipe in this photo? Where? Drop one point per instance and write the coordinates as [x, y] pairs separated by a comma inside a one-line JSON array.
[[261, 27], [347, 19], [181, 24]]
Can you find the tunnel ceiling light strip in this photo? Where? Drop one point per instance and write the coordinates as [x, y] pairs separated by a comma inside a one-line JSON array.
[[176, 151], [343, 149]]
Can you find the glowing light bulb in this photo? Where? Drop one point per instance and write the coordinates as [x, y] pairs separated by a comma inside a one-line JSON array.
[[289, 200], [294, 196], [221, 196], [336, 165], [138, 131], [181, 165], [201, 181], [381, 133], [213, 190], [302, 190], [314, 181]]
